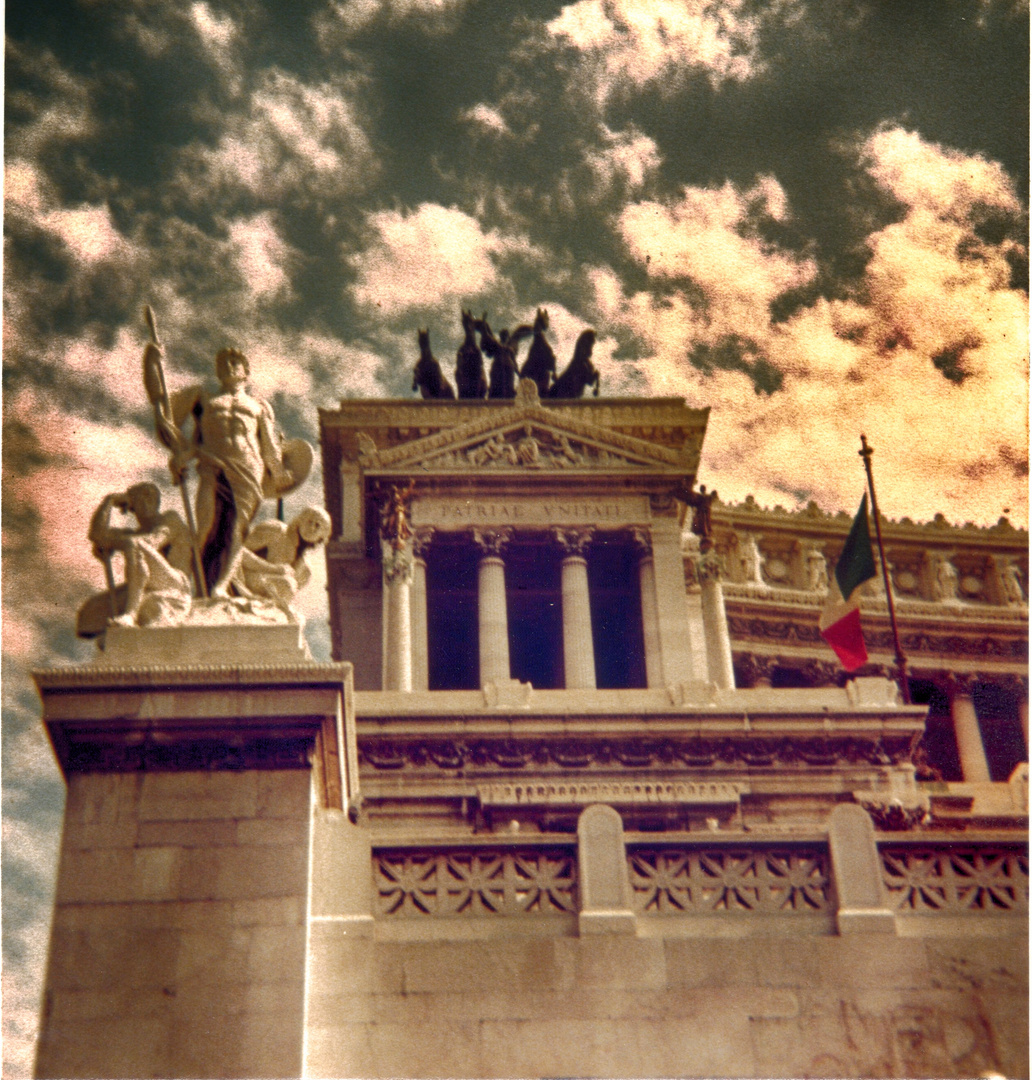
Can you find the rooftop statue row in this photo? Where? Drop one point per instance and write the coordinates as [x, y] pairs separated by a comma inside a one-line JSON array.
[[540, 365], [219, 564]]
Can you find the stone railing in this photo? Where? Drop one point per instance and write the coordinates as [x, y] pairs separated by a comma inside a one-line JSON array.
[[475, 882], [760, 879], [956, 879]]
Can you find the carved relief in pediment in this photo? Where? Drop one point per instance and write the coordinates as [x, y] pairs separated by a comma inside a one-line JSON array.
[[531, 447]]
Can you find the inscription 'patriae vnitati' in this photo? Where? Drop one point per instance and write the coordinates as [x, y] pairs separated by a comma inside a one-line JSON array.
[[442, 513]]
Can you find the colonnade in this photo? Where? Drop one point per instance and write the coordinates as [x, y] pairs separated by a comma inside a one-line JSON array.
[[758, 669], [664, 611]]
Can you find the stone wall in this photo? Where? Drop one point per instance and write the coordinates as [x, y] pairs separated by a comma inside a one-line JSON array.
[[855, 1005], [179, 927]]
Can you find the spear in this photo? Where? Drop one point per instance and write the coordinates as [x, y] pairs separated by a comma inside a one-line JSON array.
[[154, 382], [901, 660]]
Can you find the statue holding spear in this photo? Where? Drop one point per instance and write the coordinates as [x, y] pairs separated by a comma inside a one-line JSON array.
[[240, 457]]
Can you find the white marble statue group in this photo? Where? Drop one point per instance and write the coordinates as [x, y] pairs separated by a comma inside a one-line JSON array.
[[220, 564]]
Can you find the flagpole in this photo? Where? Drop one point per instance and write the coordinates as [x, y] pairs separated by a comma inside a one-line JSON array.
[[901, 660]]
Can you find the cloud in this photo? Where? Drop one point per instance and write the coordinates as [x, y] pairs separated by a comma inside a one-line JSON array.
[[633, 43], [488, 118], [628, 157], [261, 255], [292, 137], [933, 333], [432, 256], [709, 237], [348, 17]]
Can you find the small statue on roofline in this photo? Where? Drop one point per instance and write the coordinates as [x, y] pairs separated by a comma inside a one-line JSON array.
[[219, 565]]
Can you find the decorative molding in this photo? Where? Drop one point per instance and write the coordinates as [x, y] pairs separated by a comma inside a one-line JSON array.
[[789, 752], [202, 755], [757, 880], [99, 674], [617, 793], [479, 882], [956, 880]]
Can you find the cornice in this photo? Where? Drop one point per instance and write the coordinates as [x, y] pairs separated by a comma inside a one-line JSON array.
[[749, 514], [955, 612], [206, 675]]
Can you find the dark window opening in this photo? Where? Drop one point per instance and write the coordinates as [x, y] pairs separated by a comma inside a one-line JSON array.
[[616, 628], [786, 678], [938, 746], [1004, 742], [534, 602], [453, 645]]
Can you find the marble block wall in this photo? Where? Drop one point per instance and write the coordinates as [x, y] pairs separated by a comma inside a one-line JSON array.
[[178, 938]]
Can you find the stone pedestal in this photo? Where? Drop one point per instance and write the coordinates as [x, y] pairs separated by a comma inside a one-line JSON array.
[[605, 889], [858, 873], [178, 942]]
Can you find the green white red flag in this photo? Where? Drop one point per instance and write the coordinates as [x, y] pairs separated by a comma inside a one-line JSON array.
[[840, 619]]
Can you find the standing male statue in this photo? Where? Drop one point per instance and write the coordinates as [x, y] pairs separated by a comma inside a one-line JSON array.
[[240, 457]]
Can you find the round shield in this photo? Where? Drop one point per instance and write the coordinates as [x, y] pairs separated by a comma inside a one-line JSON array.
[[297, 460]]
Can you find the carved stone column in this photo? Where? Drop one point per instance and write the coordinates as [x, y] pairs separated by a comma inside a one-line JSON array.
[[714, 620], [973, 762], [397, 638], [420, 666], [578, 646], [494, 617], [649, 610], [396, 550]]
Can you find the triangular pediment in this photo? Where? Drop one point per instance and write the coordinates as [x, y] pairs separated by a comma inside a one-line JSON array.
[[526, 437]]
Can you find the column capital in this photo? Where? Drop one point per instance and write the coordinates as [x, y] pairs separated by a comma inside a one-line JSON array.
[[573, 541], [641, 537], [396, 562], [754, 667], [708, 568], [822, 672], [960, 684], [421, 538], [492, 541]]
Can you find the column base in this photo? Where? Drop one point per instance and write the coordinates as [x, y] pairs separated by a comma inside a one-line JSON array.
[[865, 921], [606, 922], [507, 694]]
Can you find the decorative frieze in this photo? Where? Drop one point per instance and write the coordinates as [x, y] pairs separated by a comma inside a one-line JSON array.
[[757, 880], [202, 755], [572, 793], [956, 879], [507, 882], [382, 754]]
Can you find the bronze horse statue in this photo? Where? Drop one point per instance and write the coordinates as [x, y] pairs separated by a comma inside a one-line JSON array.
[[540, 362], [502, 350], [427, 377], [469, 363], [580, 372]]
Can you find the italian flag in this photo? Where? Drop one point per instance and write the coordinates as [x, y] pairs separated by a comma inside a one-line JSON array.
[[840, 619]]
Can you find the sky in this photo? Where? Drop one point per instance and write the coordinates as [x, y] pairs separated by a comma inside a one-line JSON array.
[[810, 215]]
